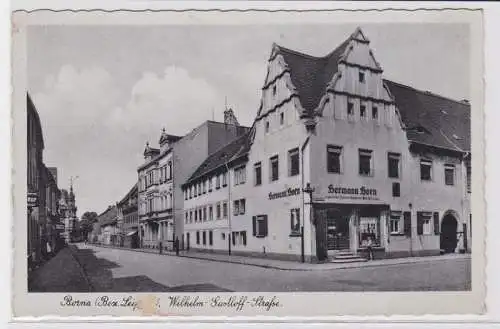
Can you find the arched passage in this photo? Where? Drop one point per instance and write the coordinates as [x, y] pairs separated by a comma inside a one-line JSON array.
[[449, 233]]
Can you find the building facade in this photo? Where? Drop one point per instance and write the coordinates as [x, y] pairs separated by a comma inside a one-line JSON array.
[[67, 209], [128, 219], [107, 229], [338, 160], [160, 198]]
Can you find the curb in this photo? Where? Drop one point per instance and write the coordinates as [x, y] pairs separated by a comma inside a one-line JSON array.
[[340, 267], [80, 266]]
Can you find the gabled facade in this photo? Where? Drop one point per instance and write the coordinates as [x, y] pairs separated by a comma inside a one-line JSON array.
[[383, 163]]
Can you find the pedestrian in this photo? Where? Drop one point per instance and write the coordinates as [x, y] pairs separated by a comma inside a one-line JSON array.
[[369, 247], [161, 247]]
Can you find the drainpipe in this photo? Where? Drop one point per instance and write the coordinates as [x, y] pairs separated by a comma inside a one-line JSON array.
[[302, 251]]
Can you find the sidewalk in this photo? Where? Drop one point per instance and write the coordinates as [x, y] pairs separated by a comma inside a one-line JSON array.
[[294, 266], [62, 273]]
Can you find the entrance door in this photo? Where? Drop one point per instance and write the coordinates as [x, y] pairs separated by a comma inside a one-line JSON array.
[[449, 233], [337, 230]]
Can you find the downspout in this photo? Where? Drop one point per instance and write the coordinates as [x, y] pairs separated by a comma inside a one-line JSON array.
[[306, 141], [173, 198]]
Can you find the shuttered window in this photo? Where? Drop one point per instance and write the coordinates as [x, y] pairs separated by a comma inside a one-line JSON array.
[[424, 219], [259, 226]]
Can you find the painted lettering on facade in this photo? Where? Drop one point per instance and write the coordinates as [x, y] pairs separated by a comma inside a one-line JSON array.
[[283, 194], [355, 193]]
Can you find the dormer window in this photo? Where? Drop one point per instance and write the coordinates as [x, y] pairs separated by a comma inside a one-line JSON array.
[[361, 76]]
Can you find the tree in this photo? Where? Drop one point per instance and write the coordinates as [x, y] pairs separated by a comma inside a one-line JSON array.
[[86, 223], [91, 216]]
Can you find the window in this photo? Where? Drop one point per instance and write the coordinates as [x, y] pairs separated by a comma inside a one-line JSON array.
[[223, 236], [197, 237], [185, 195], [395, 222], [362, 111], [396, 189], [169, 170], [424, 223], [204, 237], [259, 226], [449, 174], [187, 218], [393, 164], [210, 213], [425, 169], [282, 118], [195, 190], [205, 214], [333, 154], [217, 182], [293, 162], [274, 90], [210, 184], [257, 173], [224, 209], [204, 187], [365, 162], [242, 206], [218, 210], [190, 216], [350, 109], [361, 76], [468, 174], [267, 126], [200, 214], [374, 113], [274, 168], [210, 238], [195, 216], [243, 235], [190, 192], [236, 207], [224, 179], [295, 221], [240, 175]]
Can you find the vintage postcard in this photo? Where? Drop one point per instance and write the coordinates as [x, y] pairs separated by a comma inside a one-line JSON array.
[[182, 164]]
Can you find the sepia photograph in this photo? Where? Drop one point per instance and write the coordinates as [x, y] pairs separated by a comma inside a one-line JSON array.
[[249, 158]]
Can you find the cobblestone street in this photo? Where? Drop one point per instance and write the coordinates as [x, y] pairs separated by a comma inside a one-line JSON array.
[[124, 270]]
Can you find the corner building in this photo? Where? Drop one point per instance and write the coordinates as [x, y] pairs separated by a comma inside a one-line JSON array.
[[338, 158]]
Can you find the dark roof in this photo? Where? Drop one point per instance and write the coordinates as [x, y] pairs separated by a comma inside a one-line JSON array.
[[310, 75], [443, 122], [108, 217], [228, 153], [129, 194]]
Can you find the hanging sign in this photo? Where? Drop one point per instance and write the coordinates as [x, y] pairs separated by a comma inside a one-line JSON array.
[[32, 200], [354, 193], [283, 194]]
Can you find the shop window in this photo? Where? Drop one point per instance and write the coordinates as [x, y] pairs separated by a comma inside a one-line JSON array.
[[393, 164], [396, 189], [240, 175], [259, 226], [293, 162], [361, 77], [395, 226], [274, 164], [369, 231], [374, 113], [282, 118], [257, 173], [449, 174], [362, 111], [365, 162], [218, 211], [236, 207], [224, 210], [242, 206], [204, 238], [210, 213], [333, 158], [350, 109], [424, 223], [210, 238], [425, 170], [197, 237], [295, 221]]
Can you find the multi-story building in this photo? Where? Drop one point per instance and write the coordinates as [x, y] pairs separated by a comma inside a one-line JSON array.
[[165, 169], [67, 210], [338, 159], [54, 227], [108, 226], [128, 219]]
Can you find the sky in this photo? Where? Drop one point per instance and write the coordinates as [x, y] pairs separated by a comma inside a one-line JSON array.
[[102, 92]]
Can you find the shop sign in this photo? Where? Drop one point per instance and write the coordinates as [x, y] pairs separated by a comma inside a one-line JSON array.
[[59, 226], [353, 193], [32, 200], [283, 194]]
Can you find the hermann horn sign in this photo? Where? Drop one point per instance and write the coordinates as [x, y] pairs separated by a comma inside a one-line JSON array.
[[354, 193]]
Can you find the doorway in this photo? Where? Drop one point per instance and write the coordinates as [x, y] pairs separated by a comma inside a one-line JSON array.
[[448, 241], [337, 230]]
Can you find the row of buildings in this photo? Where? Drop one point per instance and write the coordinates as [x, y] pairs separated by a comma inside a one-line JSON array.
[[338, 161], [51, 212]]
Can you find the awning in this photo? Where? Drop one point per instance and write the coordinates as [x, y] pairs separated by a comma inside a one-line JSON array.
[[131, 233]]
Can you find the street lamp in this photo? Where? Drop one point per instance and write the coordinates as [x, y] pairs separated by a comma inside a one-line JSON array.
[[309, 190]]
